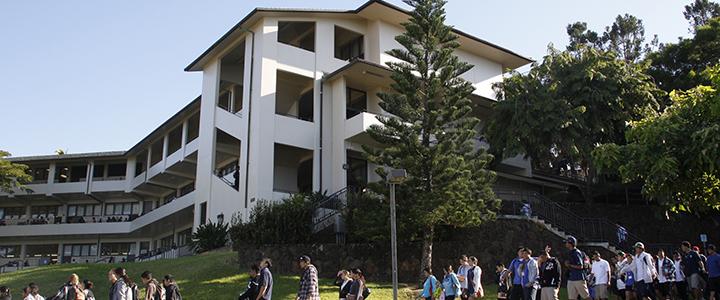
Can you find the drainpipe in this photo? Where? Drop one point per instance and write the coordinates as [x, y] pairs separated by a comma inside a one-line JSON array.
[[247, 155], [322, 85]]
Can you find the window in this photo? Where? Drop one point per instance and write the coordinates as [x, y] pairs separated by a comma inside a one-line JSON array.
[[156, 152], [356, 102], [184, 237], [116, 249], [357, 172], [147, 207], [294, 96], [117, 171], [193, 127], [140, 163], [98, 172], [64, 173], [42, 250], [348, 44], [119, 209], [10, 251], [174, 140], [224, 100], [298, 34], [78, 173], [12, 212], [203, 212], [39, 173], [166, 242], [84, 210], [80, 250]]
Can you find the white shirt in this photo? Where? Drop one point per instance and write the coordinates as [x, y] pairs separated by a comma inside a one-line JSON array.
[[36, 297], [462, 271], [645, 267], [661, 275], [679, 275], [601, 269]]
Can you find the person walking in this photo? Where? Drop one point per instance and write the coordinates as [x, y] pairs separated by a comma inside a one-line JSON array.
[[693, 268], [430, 285], [529, 275], [515, 271], [666, 275], [119, 289], [172, 290], [72, 290], [88, 289], [153, 291], [265, 280], [462, 275], [450, 284], [680, 281], [645, 272], [713, 269], [358, 285], [34, 292], [601, 271], [475, 289], [309, 289], [344, 281], [550, 276], [252, 286], [577, 284], [502, 280]]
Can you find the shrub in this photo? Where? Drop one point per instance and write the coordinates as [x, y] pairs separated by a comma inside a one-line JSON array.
[[209, 236], [286, 222]]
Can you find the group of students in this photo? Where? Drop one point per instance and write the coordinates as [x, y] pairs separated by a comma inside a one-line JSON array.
[[122, 288], [465, 284]]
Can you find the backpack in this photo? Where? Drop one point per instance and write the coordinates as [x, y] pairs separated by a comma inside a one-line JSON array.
[[366, 292], [135, 291]]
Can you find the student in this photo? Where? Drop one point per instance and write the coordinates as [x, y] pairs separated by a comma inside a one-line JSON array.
[[429, 286], [265, 280], [475, 289], [72, 290], [713, 268], [528, 275], [514, 273], [693, 269], [119, 289], [629, 271], [502, 280], [172, 291], [645, 274], [252, 288], [680, 283], [450, 284], [462, 274], [358, 286], [601, 271], [5, 293], [549, 276], [577, 284], [34, 293], [88, 289], [666, 275], [153, 291], [309, 289], [344, 281], [620, 262]]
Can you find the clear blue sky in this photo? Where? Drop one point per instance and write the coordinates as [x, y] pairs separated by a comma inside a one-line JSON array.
[[92, 76]]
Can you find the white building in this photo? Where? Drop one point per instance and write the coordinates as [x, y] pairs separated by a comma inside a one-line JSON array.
[[286, 98]]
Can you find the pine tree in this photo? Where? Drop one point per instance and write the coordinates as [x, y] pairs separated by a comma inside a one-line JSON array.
[[431, 133]]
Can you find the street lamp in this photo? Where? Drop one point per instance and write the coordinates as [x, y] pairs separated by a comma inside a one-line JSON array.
[[397, 176]]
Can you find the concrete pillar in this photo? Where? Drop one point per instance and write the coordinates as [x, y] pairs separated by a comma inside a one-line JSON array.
[[166, 141], [61, 252], [90, 175], [130, 172], [63, 212], [337, 158], [23, 251], [183, 139], [51, 178], [28, 210]]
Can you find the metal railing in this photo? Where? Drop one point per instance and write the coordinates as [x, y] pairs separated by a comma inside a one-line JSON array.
[[331, 206], [586, 229]]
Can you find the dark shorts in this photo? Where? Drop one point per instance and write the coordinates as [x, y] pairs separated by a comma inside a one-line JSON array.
[[665, 288], [714, 284], [643, 289]]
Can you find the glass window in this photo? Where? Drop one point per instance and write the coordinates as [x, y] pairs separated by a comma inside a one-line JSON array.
[[298, 34], [108, 209], [175, 140], [98, 171], [224, 100], [93, 250], [156, 152], [78, 173], [348, 44], [117, 170], [140, 163], [98, 210], [81, 210], [127, 209], [356, 102], [117, 209], [72, 210]]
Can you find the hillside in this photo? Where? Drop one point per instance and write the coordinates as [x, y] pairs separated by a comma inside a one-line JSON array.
[[209, 276]]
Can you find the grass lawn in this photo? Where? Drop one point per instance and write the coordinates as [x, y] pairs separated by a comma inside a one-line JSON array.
[[211, 276]]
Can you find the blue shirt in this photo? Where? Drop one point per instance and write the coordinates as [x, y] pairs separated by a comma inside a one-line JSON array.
[[576, 259], [713, 265], [429, 286], [514, 267], [451, 285]]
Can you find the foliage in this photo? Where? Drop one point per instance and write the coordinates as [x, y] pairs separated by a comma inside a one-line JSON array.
[[287, 222], [679, 66], [700, 12], [209, 236], [431, 133], [558, 112], [625, 37], [676, 154], [210, 276], [13, 176]]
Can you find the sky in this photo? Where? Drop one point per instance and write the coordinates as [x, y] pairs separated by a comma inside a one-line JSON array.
[[89, 76]]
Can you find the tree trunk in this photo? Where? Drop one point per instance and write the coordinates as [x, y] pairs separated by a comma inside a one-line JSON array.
[[426, 260]]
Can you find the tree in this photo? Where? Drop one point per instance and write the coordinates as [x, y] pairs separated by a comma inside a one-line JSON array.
[[700, 12], [679, 66], [13, 176], [675, 154], [431, 131], [626, 37], [564, 106]]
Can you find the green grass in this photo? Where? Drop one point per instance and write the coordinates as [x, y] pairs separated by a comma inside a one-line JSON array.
[[209, 276]]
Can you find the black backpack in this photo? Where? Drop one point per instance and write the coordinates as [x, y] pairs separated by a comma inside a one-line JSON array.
[[366, 292]]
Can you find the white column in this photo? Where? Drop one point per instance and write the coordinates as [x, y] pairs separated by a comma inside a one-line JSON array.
[[51, 178], [130, 173], [183, 139], [337, 159], [166, 141]]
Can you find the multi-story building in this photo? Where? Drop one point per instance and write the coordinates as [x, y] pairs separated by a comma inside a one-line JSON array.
[[286, 98]]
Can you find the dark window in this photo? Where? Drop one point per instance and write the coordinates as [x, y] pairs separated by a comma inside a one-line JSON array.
[[203, 212], [11, 212], [98, 171], [140, 163], [356, 102], [116, 249], [184, 237], [237, 98], [42, 250], [44, 211], [357, 172], [174, 140], [224, 100], [39, 173], [117, 170], [193, 127], [298, 34], [348, 44], [62, 174], [305, 106], [10, 251], [156, 152], [78, 173]]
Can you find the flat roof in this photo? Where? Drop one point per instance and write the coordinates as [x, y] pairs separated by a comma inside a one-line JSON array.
[[69, 156], [511, 58]]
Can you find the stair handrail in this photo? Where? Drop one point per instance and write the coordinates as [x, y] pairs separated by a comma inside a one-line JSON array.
[[332, 205]]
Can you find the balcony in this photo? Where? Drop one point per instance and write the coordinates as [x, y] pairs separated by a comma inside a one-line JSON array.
[[356, 126], [294, 132]]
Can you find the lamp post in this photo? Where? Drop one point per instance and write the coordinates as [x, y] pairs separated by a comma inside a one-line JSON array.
[[397, 176]]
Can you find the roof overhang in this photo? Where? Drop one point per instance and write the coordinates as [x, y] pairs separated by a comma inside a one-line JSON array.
[[371, 10], [362, 74]]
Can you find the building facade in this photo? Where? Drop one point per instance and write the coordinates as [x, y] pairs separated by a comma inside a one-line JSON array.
[[286, 98]]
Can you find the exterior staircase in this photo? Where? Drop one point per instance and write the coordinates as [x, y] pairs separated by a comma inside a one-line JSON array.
[[328, 212]]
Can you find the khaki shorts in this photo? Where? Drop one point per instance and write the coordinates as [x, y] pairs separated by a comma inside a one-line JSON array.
[[695, 281], [549, 293], [577, 288], [601, 291]]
